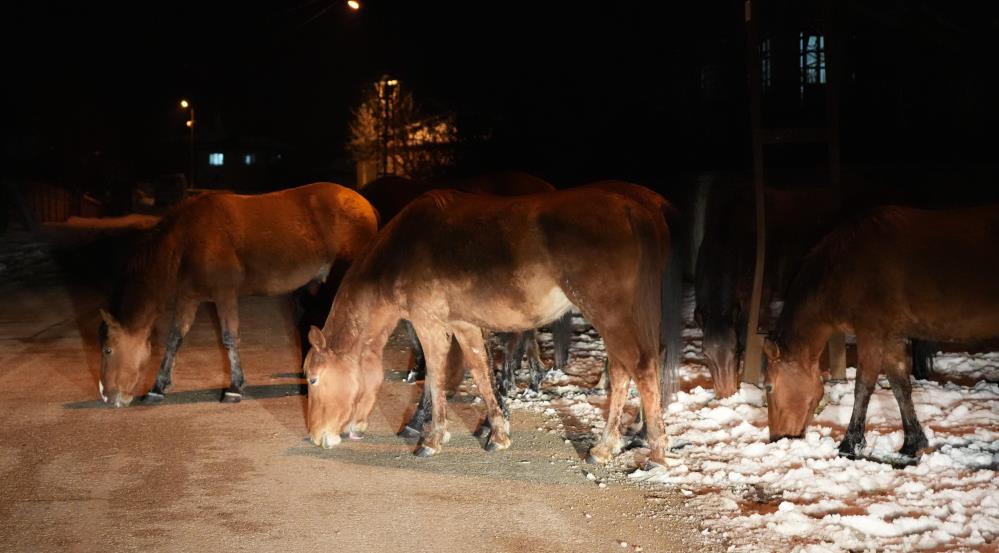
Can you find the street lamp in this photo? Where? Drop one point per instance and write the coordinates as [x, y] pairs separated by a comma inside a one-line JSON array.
[[354, 5], [184, 104]]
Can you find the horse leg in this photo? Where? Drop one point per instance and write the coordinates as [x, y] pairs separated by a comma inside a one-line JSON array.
[[183, 317], [901, 386], [414, 428], [419, 370], [533, 352], [436, 340], [611, 444], [227, 307], [473, 346], [650, 390], [869, 357], [561, 338], [512, 344]]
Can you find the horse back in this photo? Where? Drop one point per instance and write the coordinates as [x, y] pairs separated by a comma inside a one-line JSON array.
[[508, 253], [913, 272], [265, 242]]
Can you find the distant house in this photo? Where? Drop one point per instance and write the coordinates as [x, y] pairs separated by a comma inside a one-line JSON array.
[[233, 161]]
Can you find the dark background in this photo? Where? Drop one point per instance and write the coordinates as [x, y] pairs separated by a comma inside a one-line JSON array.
[[574, 91]]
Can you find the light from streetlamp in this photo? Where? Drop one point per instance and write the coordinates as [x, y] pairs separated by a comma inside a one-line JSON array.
[[391, 82], [184, 104], [353, 4], [189, 123]]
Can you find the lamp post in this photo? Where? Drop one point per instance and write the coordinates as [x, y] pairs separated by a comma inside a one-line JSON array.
[[184, 104], [386, 88], [354, 5]]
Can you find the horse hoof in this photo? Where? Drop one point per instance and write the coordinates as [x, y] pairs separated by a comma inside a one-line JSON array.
[[153, 398], [412, 377], [425, 451], [492, 446], [409, 433], [232, 397], [352, 435]]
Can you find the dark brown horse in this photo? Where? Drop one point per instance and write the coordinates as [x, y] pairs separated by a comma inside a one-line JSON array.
[[218, 247], [454, 264], [894, 273], [796, 219]]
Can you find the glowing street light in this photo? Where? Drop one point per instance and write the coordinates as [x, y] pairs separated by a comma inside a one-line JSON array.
[[184, 104], [354, 5]]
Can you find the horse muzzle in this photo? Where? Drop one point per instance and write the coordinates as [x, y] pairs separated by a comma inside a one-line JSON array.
[[115, 399], [326, 439]]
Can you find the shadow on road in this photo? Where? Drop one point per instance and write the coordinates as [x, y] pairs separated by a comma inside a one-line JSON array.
[[251, 393]]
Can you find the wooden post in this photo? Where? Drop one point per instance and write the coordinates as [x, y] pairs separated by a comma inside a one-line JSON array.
[[752, 365], [833, 51]]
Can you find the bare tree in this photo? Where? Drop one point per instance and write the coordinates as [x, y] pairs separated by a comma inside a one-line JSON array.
[[390, 132]]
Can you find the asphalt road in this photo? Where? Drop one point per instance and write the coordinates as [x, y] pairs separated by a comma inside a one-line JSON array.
[[196, 475]]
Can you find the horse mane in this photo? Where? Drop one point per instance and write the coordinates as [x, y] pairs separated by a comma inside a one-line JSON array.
[[149, 273], [828, 255]]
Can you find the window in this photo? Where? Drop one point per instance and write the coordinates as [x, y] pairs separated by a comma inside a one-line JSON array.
[[813, 60], [216, 159], [249, 159], [766, 73]]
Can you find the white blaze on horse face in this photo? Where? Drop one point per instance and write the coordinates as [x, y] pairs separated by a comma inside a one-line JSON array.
[[100, 388]]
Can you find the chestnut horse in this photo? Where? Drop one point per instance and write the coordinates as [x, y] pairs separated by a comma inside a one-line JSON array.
[[218, 247], [893, 273], [454, 264], [389, 195]]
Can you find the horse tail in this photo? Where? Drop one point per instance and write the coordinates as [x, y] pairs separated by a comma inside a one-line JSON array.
[[671, 328], [922, 358], [562, 338]]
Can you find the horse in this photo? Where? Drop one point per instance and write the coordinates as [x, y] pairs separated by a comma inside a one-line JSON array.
[[796, 221], [893, 273], [455, 264], [390, 194], [218, 247]]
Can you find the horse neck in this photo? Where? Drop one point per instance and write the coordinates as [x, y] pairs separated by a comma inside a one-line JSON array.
[[808, 328], [360, 321], [149, 283]]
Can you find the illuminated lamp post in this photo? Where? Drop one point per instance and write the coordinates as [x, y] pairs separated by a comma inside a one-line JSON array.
[[184, 104], [354, 5]]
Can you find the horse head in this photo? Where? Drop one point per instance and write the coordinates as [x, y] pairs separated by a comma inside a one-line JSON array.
[[334, 390], [722, 350], [123, 355], [794, 389]]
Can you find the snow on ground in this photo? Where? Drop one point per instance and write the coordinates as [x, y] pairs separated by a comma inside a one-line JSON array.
[[799, 495]]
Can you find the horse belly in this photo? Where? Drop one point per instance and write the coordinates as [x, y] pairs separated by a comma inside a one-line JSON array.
[[511, 313], [272, 281]]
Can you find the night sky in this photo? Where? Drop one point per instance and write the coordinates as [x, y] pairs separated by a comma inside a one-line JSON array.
[[572, 91]]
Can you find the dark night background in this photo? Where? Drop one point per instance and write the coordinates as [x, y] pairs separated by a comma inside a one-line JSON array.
[[648, 91]]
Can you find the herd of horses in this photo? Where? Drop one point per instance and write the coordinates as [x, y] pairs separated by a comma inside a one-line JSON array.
[[508, 254]]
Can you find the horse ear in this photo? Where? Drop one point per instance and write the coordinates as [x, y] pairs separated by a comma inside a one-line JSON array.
[[109, 320], [317, 338], [771, 349]]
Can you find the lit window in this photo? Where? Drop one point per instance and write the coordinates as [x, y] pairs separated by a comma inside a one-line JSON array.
[[249, 159], [766, 75], [813, 60], [215, 158]]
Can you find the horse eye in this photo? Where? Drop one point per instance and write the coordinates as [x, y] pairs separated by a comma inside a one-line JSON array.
[[314, 380], [768, 387], [107, 350]]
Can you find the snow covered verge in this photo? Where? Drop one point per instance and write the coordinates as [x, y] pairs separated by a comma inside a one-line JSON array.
[[799, 495]]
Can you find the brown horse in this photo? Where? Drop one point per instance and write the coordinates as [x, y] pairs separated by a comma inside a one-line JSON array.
[[454, 264], [796, 220], [894, 273], [218, 247]]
